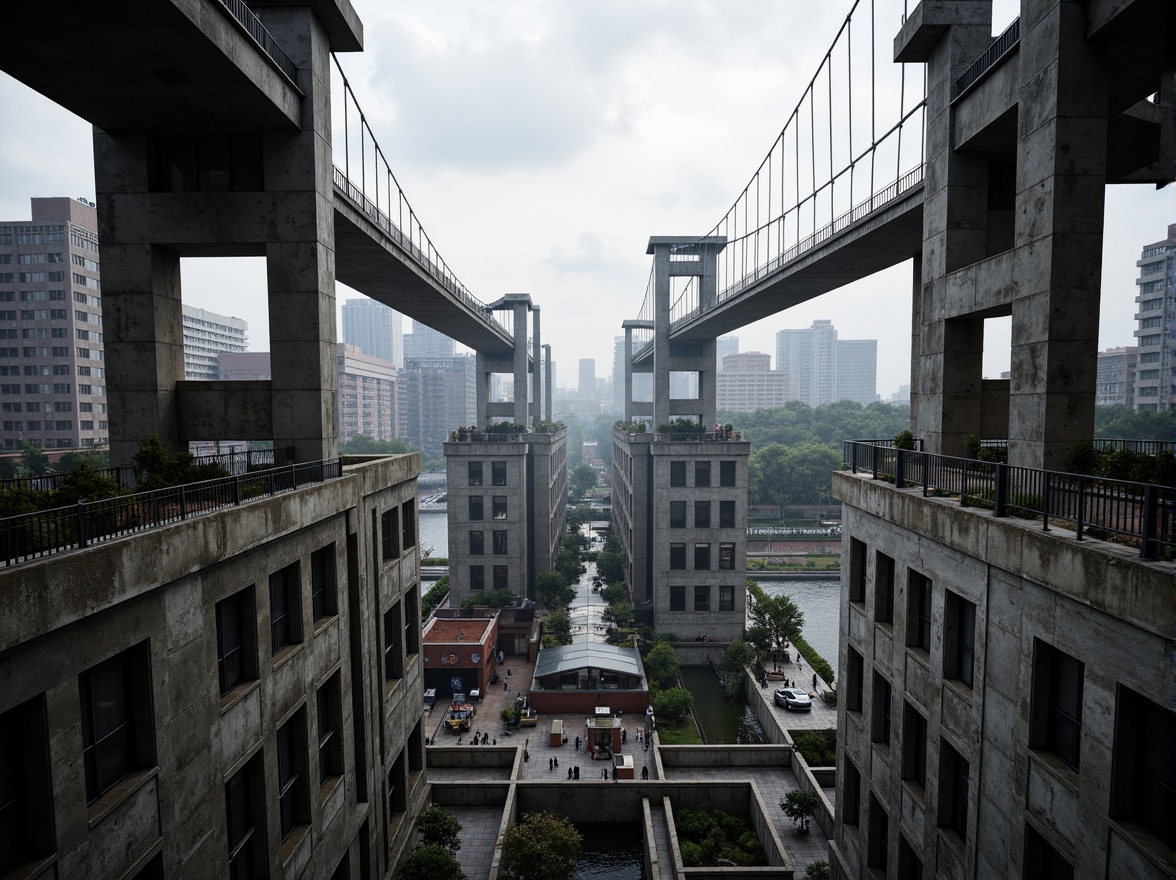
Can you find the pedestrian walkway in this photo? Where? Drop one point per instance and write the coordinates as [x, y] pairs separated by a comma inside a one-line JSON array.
[[479, 835]]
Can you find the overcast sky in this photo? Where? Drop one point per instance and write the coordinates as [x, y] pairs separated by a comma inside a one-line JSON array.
[[543, 141]]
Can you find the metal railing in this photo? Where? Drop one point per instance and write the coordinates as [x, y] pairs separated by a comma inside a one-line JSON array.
[[46, 532], [231, 462], [716, 436], [1000, 47], [1140, 514], [252, 25], [1104, 444]]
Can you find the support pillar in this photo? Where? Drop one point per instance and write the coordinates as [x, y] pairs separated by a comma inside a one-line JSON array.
[[520, 361], [547, 383], [536, 368]]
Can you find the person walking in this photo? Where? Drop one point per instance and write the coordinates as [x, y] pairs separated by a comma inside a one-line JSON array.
[[550, 765], [569, 773], [814, 681], [644, 773], [556, 761]]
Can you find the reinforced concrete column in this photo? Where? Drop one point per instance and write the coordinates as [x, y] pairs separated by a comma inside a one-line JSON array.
[[628, 374], [482, 380], [547, 383], [520, 361], [536, 368], [707, 383], [1061, 182], [661, 333]]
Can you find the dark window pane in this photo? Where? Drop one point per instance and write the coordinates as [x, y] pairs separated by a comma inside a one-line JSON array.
[[677, 473], [702, 514]]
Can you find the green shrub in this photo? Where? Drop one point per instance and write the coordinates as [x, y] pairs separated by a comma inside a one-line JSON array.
[[819, 747], [691, 854], [818, 663], [673, 704]]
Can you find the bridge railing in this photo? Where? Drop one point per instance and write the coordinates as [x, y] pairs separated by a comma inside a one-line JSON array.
[[46, 532], [252, 25], [1142, 515], [1000, 47], [370, 185]]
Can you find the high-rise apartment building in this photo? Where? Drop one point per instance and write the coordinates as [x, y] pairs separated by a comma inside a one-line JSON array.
[[822, 368], [1115, 382], [724, 346], [376, 330], [1155, 375], [587, 378], [206, 336], [440, 395], [747, 382], [52, 362], [425, 343]]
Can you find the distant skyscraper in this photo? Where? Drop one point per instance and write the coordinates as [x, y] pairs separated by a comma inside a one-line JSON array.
[[206, 336], [618, 376], [588, 378], [1114, 384], [375, 329], [440, 396], [822, 369], [1155, 375], [52, 366], [426, 343], [747, 383], [724, 346]]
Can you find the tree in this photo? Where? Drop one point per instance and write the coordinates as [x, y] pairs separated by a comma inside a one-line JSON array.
[[672, 704], [736, 658], [777, 614], [582, 480], [33, 460], [621, 614], [559, 627], [540, 846], [661, 666], [430, 862], [798, 805], [817, 871], [611, 567], [553, 589], [760, 638], [433, 597], [439, 827], [93, 458]]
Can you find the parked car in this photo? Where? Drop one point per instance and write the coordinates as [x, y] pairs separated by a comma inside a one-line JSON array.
[[793, 699]]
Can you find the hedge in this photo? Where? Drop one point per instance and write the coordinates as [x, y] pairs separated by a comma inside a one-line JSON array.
[[819, 664]]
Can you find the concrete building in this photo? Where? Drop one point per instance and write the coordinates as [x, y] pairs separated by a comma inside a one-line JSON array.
[[587, 379], [439, 395], [506, 510], [823, 369], [375, 329], [425, 343], [206, 335], [261, 662], [1004, 704], [1115, 380], [1155, 378], [459, 654], [52, 356], [724, 346], [747, 382], [575, 679]]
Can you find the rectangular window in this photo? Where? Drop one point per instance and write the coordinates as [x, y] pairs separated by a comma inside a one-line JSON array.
[[851, 794], [726, 473], [677, 474], [390, 533], [246, 840], [1042, 860], [500, 544], [393, 647], [726, 514], [883, 588], [959, 638], [727, 557], [878, 854], [854, 675], [475, 508], [397, 789], [475, 472], [477, 542], [914, 746], [322, 582], [234, 621], [919, 611], [953, 790], [477, 577], [113, 739], [498, 473], [1143, 776], [677, 514], [702, 514], [677, 557], [330, 744], [285, 608], [412, 622], [1056, 714], [880, 729], [408, 524], [857, 570], [909, 865], [499, 507], [701, 597], [292, 797], [677, 597], [702, 473], [501, 577], [702, 554], [25, 800], [726, 598]]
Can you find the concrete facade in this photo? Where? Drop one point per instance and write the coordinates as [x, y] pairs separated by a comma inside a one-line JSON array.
[[1155, 379], [1115, 380], [375, 329], [169, 609], [506, 510], [438, 395], [206, 336], [822, 368], [52, 356], [746, 383]]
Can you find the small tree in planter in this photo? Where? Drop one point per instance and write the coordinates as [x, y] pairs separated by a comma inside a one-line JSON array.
[[440, 827], [799, 806]]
